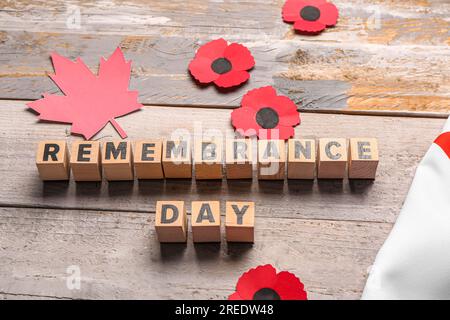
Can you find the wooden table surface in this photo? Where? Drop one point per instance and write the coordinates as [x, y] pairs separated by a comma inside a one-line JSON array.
[[383, 71]]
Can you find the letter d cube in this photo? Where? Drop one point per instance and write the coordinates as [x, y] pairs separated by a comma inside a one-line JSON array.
[[171, 221]]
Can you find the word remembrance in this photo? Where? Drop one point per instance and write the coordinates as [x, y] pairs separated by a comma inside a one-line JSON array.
[[155, 159]]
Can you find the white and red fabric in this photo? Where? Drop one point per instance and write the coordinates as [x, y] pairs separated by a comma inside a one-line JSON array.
[[414, 262]]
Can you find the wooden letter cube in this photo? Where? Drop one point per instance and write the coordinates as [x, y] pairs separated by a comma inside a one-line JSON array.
[[171, 221], [271, 159], [85, 161], [205, 221], [239, 159], [208, 157], [240, 221], [117, 160], [302, 159], [363, 158], [52, 160], [177, 159], [332, 158], [147, 159]]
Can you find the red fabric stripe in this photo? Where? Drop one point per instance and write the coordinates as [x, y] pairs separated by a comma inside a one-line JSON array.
[[444, 142]]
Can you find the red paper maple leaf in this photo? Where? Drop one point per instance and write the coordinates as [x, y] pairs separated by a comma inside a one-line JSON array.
[[90, 101]]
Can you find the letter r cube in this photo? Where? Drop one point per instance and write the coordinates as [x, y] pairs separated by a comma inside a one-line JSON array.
[[52, 160]]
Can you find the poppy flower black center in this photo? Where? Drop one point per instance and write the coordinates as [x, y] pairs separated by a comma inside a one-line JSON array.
[[267, 118], [221, 65], [310, 13], [266, 294]]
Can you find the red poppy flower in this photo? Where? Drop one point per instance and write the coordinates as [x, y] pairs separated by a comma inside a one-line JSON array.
[[225, 65], [263, 283], [310, 16], [265, 114]]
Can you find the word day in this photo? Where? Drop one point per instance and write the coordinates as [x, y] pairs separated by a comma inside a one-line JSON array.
[[156, 159], [171, 221]]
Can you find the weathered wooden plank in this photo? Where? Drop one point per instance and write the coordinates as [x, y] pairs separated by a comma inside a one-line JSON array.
[[317, 76], [399, 65], [372, 21], [403, 142], [12, 296], [118, 256]]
